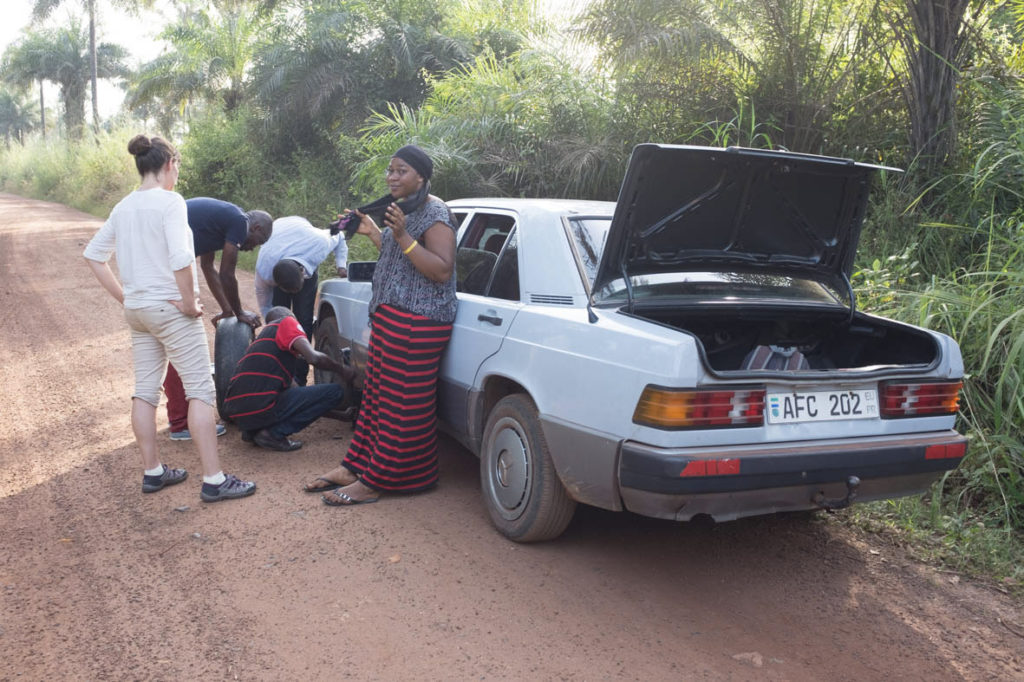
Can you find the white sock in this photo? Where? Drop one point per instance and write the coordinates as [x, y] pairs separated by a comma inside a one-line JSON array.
[[155, 472], [216, 479]]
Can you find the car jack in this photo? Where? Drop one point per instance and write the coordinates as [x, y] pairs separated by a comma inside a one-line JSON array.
[[852, 484]]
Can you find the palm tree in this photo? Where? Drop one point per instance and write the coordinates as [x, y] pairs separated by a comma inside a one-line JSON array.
[[25, 63], [16, 117], [43, 8], [934, 35], [334, 64], [684, 62], [212, 50], [67, 63]]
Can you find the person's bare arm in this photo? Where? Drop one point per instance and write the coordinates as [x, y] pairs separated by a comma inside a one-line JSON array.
[[208, 266], [107, 278], [301, 346], [435, 258], [224, 286], [228, 282]]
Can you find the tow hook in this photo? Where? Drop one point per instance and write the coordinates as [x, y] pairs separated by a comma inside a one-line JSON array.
[[852, 484]]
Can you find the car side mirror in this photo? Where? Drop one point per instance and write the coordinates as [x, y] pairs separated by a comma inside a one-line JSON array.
[[361, 271]]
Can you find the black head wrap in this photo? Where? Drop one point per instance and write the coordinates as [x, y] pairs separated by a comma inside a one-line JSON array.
[[417, 158]]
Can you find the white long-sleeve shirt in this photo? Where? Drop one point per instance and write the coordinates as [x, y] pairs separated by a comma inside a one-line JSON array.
[[149, 231], [295, 238]]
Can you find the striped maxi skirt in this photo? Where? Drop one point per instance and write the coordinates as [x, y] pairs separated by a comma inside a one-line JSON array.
[[394, 447]]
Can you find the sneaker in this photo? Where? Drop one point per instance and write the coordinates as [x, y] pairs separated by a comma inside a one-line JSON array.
[[185, 435], [231, 488], [150, 484]]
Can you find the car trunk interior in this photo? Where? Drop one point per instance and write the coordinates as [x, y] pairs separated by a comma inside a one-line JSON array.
[[827, 340]]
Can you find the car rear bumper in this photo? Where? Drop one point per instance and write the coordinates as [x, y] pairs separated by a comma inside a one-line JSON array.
[[733, 482]]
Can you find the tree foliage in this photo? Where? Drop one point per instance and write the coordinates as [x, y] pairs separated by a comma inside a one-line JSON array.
[[799, 64], [62, 56], [934, 36], [212, 50], [26, 63], [17, 116]]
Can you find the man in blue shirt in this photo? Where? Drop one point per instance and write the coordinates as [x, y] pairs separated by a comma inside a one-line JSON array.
[[286, 272], [217, 226], [221, 226]]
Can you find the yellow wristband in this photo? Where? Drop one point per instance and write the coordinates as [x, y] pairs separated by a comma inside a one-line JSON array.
[[409, 248]]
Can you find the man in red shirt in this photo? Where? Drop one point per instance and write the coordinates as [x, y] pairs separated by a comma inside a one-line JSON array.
[[263, 398]]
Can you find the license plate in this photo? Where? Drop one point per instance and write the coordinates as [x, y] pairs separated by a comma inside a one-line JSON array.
[[821, 406]]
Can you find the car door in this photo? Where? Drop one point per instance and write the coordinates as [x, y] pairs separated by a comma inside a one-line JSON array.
[[489, 299]]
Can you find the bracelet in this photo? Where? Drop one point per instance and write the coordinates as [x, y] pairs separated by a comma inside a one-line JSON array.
[[412, 246]]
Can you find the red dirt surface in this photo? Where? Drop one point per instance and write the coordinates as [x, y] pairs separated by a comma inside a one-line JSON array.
[[100, 582]]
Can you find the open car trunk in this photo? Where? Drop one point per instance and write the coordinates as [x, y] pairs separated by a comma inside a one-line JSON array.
[[827, 341]]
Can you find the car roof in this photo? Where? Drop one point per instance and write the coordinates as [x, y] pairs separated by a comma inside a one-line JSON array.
[[536, 206]]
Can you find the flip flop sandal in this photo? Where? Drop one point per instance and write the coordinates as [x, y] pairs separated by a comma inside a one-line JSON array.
[[331, 485], [347, 500]]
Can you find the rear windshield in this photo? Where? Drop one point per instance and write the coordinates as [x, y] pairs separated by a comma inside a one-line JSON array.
[[589, 235]]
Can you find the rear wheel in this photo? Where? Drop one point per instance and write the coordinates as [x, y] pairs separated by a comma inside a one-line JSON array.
[[327, 340], [521, 489], [229, 345]]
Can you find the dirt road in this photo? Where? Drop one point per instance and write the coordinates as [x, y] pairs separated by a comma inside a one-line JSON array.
[[100, 582]]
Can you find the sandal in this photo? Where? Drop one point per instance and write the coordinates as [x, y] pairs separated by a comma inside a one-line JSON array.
[[346, 500]]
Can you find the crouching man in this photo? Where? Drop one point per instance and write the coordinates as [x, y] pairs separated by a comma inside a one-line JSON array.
[[263, 398]]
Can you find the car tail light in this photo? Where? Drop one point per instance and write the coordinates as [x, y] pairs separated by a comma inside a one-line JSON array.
[[666, 408], [946, 451], [904, 399]]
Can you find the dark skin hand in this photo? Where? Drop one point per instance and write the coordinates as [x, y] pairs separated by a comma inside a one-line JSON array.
[[224, 286], [435, 257], [301, 346]]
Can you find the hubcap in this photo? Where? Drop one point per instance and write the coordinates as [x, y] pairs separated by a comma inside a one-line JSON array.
[[510, 473]]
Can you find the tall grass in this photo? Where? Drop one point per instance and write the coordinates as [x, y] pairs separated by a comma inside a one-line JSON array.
[[91, 175], [966, 228], [972, 519]]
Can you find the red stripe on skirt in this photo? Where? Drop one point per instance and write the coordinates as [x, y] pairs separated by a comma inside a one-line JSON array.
[[391, 450]]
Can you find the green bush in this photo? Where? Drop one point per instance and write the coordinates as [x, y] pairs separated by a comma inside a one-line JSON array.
[[220, 159], [225, 157]]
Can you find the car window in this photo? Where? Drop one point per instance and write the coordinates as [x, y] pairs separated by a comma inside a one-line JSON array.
[[589, 235], [487, 231], [473, 269], [734, 287], [505, 280]]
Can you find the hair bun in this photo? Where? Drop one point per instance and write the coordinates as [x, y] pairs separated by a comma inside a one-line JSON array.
[[140, 144]]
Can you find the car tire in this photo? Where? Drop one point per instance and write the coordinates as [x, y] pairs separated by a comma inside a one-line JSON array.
[[327, 340], [230, 342], [521, 489]]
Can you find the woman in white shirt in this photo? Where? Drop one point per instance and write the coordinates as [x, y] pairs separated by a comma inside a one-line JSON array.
[[159, 290]]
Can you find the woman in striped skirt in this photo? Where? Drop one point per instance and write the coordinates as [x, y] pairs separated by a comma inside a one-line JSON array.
[[394, 448]]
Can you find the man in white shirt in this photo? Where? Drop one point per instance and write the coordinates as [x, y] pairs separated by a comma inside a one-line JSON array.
[[294, 251]]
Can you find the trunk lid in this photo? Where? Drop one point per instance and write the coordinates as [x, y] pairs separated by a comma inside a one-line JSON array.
[[684, 208]]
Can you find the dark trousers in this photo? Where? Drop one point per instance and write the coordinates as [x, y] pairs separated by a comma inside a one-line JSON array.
[[298, 407], [300, 303]]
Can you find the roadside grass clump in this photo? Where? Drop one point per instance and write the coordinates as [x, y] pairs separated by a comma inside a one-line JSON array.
[[972, 519], [91, 175]]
